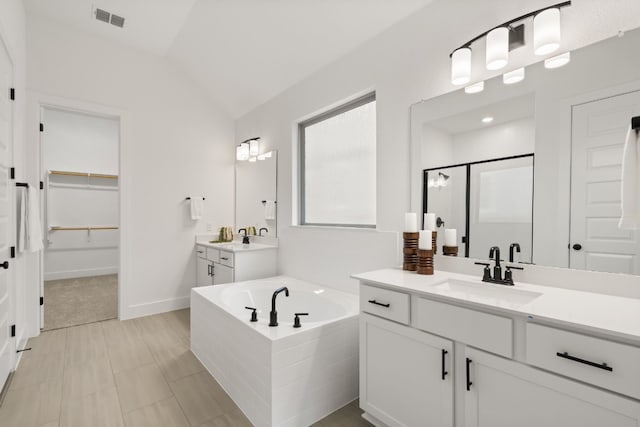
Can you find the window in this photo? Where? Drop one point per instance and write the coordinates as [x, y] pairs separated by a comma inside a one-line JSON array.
[[338, 166]]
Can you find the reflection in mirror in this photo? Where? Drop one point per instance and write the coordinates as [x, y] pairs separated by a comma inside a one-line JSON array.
[[575, 120], [256, 189]]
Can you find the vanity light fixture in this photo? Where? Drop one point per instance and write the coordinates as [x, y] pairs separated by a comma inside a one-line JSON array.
[[474, 88], [508, 36], [247, 148], [514, 76], [242, 152], [487, 119], [254, 147], [558, 60]]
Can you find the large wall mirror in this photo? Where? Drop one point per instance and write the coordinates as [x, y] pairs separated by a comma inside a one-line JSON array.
[[256, 189], [537, 163]]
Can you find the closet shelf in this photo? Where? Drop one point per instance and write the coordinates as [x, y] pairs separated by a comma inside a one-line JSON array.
[[85, 174], [86, 228]]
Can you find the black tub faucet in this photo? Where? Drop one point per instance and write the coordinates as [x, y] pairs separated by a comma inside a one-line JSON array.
[[273, 315], [513, 246], [497, 270]]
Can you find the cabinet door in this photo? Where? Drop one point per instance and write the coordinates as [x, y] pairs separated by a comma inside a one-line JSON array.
[[204, 272], [405, 374], [222, 274], [504, 393]]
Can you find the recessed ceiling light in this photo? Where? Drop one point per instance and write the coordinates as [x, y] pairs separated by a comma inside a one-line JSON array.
[[487, 119], [474, 88], [558, 60]]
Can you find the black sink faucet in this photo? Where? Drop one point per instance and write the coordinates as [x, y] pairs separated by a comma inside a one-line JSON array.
[[273, 315], [497, 270], [245, 238], [260, 231], [513, 246]]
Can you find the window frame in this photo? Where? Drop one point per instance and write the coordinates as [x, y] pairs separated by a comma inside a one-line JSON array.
[[343, 108]]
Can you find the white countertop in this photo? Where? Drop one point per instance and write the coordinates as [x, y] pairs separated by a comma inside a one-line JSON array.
[[236, 246], [588, 311]]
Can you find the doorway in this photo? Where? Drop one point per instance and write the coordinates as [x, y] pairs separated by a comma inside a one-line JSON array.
[[597, 142], [80, 153]]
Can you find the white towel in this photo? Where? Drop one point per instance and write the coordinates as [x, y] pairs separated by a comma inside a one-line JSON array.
[[269, 210], [22, 221], [34, 225], [197, 207], [630, 218]]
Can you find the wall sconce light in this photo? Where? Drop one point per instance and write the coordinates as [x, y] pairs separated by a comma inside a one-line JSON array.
[[506, 37], [242, 152], [254, 147], [248, 148], [439, 182]]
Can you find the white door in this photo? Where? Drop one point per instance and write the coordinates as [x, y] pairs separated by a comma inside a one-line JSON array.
[[504, 393], [598, 132], [406, 375], [222, 274], [7, 344]]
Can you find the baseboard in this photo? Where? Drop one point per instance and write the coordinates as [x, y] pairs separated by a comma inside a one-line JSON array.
[[155, 307], [74, 274]]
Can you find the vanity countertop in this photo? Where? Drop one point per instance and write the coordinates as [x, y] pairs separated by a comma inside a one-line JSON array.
[[588, 311], [236, 246]]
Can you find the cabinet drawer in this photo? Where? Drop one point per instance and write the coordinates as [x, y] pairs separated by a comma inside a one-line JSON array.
[[201, 251], [604, 363], [480, 330], [391, 305], [226, 258], [213, 254]]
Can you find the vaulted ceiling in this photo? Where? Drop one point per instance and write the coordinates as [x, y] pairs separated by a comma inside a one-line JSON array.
[[243, 52]]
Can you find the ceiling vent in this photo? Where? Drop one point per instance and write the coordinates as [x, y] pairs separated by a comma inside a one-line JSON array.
[[109, 18]]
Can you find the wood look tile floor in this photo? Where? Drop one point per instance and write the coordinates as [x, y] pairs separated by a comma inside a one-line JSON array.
[[134, 373]]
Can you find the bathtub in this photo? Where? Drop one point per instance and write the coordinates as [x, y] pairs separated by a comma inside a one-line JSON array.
[[278, 376]]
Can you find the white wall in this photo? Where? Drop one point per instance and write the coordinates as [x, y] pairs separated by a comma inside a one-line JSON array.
[[405, 64], [175, 143], [80, 143], [12, 31]]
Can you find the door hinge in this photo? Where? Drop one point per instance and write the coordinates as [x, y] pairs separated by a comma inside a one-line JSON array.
[[41, 300], [12, 94], [41, 185], [13, 251], [13, 330], [12, 173], [41, 127]]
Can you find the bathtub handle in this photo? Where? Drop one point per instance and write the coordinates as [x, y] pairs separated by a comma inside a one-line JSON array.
[[254, 315], [372, 301]]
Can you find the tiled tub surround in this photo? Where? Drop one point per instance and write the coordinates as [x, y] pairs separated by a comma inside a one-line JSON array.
[[279, 376]]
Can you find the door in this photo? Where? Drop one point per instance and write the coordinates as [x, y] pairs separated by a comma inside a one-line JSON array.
[[222, 274], [7, 344], [405, 375], [598, 132], [204, 272], [504, 393]]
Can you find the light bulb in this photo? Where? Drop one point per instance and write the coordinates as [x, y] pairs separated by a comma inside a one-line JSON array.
[[254, 147], [546, 32], [461, 66], [497, 48]]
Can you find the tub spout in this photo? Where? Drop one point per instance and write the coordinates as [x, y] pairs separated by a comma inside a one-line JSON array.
[[273, 315]]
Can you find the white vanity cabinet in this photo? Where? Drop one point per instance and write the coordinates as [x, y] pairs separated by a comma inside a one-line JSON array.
[[504, 393], [405, 375], [216, 266], [432, 362]]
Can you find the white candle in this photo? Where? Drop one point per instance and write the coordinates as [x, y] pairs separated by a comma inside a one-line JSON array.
[[425, 241], [450, 237], [429, 221], [410, 222]]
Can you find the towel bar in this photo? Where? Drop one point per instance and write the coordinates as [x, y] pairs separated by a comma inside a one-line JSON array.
[[635, 122], [264, 201], [22, 184], [189, 198]]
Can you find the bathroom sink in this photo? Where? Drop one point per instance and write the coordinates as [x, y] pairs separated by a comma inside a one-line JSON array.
[[485, 293]]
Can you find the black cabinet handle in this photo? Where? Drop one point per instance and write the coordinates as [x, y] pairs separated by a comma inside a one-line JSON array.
[[372, 301], [444, 372], [469, 383], [224, 258], [5, 265], [567, 356]]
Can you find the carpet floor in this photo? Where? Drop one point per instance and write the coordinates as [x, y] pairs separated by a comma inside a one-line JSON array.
[[71, 302]]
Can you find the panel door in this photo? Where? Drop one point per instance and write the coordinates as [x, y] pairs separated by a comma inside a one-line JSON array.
[[598, 133], [222, 274], [504, 393], [204, 272], [7, 344], [401, 374]]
